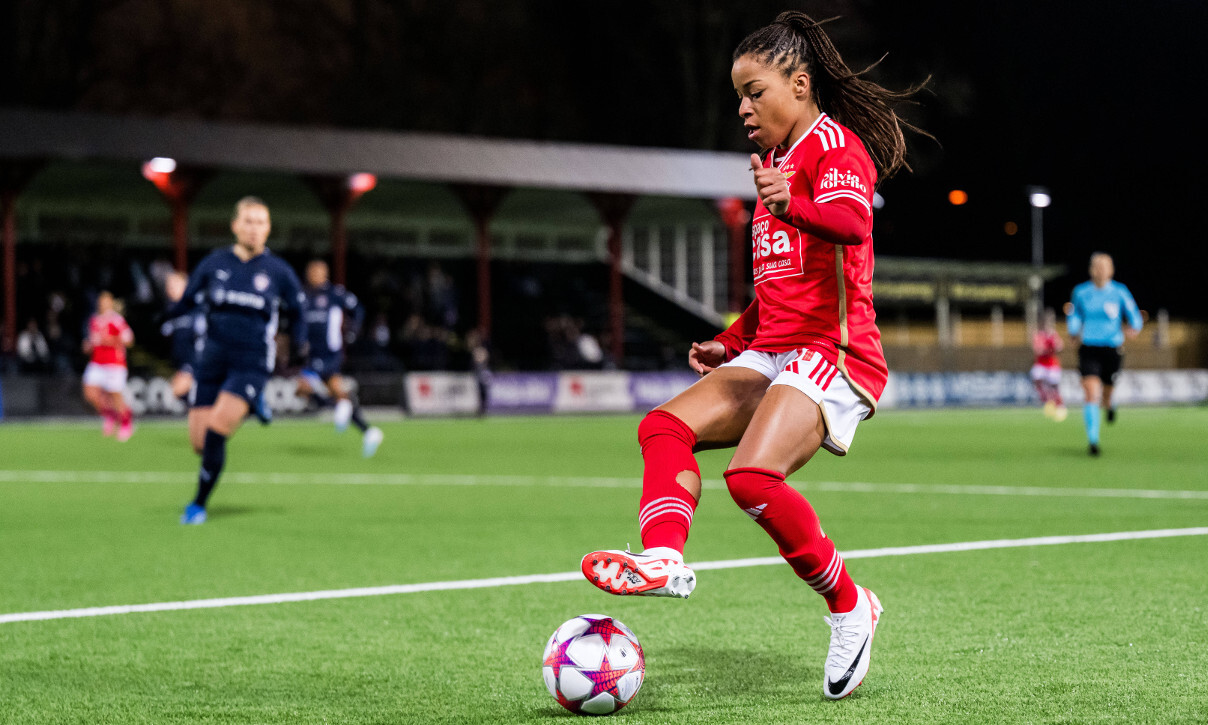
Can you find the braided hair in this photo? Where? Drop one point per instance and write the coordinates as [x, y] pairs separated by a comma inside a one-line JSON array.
[[795, 41]]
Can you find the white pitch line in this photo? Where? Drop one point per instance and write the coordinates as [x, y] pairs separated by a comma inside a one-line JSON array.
[[573, 575], [471, 479]]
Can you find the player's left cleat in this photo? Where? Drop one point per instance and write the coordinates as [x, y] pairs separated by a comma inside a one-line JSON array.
[[262, 411], [1111, 415], [623, 572], [125, 431], [1060, 413], [1050, 409], [370, 441], [1093, 449], [342, 414], [109, 424], [193, 515], [850, 645]]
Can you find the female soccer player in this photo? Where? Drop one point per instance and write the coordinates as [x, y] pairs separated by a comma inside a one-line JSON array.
[[1046, 370], [1096, 310], [803, 364], [105, 376], [242, 290], [326, 308]]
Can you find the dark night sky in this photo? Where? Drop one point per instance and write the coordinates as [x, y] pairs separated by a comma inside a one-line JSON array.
[[1092, 99]]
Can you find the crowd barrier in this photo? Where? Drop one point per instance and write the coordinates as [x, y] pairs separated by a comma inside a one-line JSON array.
[[598, 392], [453, 394]]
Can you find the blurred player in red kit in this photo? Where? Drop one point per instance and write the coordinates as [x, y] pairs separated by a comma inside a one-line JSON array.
[[105, 376], [803, 365], [1046, 369]]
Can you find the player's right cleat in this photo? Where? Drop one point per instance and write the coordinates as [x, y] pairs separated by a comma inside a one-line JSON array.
[[342, 415], [1111, 415], [125, 431], [623, 572], [193, 515], [1060, 413], [370, 441], [850, 645], [1093, 449], [1050, 409], [109, 424]]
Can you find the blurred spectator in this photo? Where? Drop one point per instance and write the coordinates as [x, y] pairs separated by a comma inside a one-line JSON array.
[[159, 270], [62, 345], [480, 364], [570, 347], [442, 297], [33, 353], [425, 347]]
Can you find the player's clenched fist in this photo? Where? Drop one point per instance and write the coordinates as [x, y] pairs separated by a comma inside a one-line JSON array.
[[706, 356], [772, 187]]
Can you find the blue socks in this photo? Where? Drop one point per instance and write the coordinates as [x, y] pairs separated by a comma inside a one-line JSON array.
[[1090, 418], [213, 458]]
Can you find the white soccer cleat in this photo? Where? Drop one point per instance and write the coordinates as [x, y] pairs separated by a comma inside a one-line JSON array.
[[370, 441], [850, 646], [649, 575], [342, 414]]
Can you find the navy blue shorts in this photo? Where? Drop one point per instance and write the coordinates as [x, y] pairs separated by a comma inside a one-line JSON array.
[[325, 366], [216, 372]]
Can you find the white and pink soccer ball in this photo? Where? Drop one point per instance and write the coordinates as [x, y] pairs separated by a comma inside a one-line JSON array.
[[593, 665]]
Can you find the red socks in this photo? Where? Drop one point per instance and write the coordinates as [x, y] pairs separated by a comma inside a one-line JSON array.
[[666, 508], [791, 522]]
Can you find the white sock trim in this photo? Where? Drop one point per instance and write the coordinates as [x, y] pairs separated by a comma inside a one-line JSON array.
[[665, 552]]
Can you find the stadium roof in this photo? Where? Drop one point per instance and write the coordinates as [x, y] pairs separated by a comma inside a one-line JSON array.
[[438, 158]]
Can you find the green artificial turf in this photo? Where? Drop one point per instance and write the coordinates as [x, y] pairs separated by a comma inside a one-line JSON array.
[[1074, 633]]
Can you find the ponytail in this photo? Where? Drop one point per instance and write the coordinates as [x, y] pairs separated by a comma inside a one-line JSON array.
[[797, 41]]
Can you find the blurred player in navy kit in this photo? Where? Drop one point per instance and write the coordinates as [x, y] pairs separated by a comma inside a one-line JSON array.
[[331, 314], [242, 291], [186, 335]]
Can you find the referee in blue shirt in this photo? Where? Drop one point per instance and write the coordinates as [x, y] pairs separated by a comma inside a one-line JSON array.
[[1096, 314]]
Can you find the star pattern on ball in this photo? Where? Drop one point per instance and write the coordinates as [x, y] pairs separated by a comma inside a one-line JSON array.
[[603, 678]]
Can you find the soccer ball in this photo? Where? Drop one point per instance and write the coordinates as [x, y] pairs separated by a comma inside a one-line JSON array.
[[593, 665]]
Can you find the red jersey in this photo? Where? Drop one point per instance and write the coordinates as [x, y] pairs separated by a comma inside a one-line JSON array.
[[107, 325], [1046, 345], [813, 265]]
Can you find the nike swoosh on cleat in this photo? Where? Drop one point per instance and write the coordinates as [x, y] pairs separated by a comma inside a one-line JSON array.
[[837, 686]]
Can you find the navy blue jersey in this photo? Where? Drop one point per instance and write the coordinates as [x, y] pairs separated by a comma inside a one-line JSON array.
[[327, 308], [242, 303], [185, 333]]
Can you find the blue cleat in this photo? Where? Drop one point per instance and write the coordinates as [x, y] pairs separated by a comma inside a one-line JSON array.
[[261, 410], [193, 515], [370, 441]]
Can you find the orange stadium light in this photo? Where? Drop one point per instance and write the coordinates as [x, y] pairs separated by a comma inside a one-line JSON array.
[[361, 183], [957, 197], [159, 172]]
